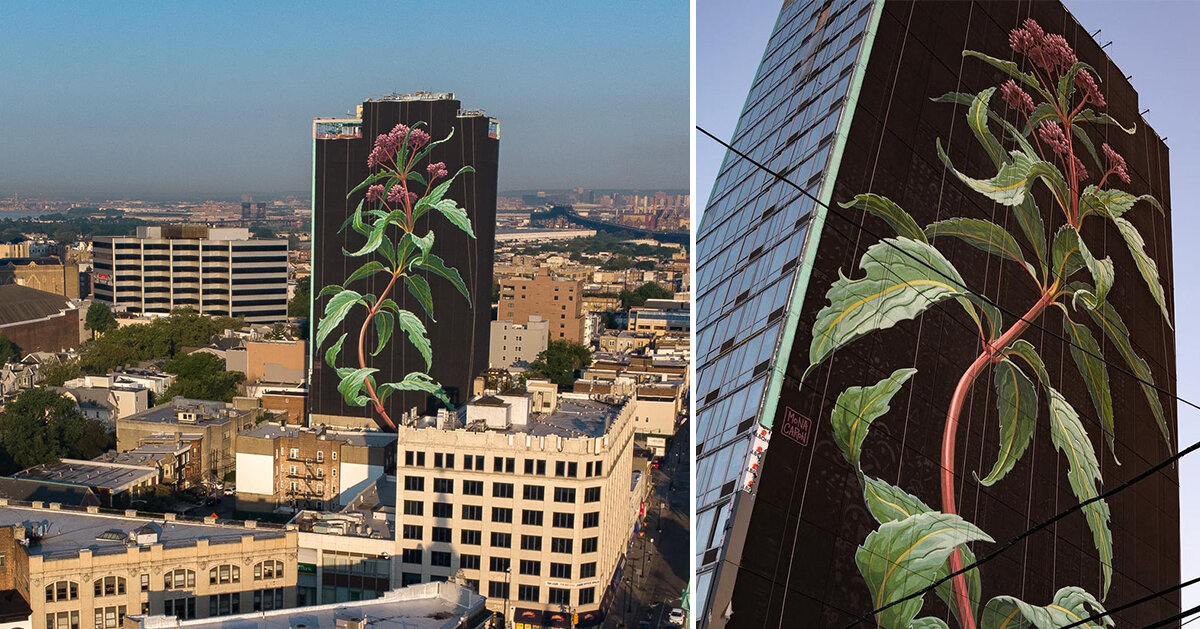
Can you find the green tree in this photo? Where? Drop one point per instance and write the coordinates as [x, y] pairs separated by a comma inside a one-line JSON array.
[[65, 234], [9, 352], [560, 361], [202, 376], [41, 426], [645, 265], [262, 231], [618, 263], [99, 318], [299, 305], [161, 338], [59, 371], [639, 295]]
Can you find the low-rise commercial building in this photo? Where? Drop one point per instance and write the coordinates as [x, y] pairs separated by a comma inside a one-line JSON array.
[[516, 344], [40, 321], [529, 508], [216, 423], [49, 274], [79, 568], [292, 467], [116, 484]]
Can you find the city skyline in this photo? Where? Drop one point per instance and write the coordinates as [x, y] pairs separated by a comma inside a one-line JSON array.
[[142, 106]]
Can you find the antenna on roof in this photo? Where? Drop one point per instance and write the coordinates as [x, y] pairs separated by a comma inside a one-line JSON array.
[[1106, 45], [1097, 32]]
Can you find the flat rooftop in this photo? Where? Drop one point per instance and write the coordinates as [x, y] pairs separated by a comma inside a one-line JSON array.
[[207, 413], [423, 606], [64, 533], [91, 473], [574, 418], [271, 430], [367, 515]]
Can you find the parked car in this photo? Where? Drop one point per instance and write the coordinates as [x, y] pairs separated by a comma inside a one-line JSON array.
[[677, 616], [229, 491], [656, 463]]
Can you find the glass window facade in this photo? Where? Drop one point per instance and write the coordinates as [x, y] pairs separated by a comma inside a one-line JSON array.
[[750, 242]]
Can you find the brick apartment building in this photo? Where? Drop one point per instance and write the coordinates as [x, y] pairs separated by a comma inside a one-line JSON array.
[[558, 300]]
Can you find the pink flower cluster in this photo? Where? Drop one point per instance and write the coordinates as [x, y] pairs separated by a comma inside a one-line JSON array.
[[1081, 172], [437, 170], [1049, 52], [398, 195], [375, 192], [1052, 135], [388, 144], [1016, 98], [1116, 163], [1091, 92]]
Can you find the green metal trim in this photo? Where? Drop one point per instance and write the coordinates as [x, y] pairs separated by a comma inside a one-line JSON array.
[[779, 364]]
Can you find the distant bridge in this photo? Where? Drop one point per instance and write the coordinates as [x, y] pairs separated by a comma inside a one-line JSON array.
[[568, 212]]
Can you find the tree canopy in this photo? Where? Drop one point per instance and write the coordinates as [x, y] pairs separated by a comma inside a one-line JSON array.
[[560, 360], [9, 352], [99, 318], [202, 376], [299, 304], [639, 295], [161, 338], [41, 426]]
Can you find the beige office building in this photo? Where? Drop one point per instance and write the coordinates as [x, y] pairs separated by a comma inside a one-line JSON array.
[[80, 569], [557, 300], [530, 503]]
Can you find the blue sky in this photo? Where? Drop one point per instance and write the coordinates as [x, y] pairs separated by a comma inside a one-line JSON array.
[[199, 99], [1156, 43]]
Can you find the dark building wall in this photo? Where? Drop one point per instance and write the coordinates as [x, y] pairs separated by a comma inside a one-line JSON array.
[[52, 334], [808, 517], [460, 335]]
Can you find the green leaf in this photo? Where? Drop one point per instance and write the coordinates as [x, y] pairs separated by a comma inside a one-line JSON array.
[[1114, 328], [419, 289], [1023, 350], [388, 251], [1086, 141], [1016, 399], [857, 407], [355, 220], [889, 503], [904, 556], [429, 147], [436, 265], [1029, 217], [1086, 353], [416, 334], [983, 235], [1009, 68], [366, 270], [415, 381], [424, 243], [1070, 605], [928, 622], [1087, 115], [374, 239], [1103, 273], [977, 118], [368, 181], [335, 311], [1145, 264], [352, 385], [1065, 252], [330, 290], [1010, 184], [1041, 113], [435, 195], [455, 215], [896, 288], [895, 216], [1111, 202], [1066, 83], [418, 177], [1083, 474], [331, 354], [383, 330]]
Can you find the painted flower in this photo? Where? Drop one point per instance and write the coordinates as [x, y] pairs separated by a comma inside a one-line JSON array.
[[1081, 172], [375, 192], [1052, 135], [1116, 163], [1091, 92], [436, 170], [417, 139], [1016, 98]]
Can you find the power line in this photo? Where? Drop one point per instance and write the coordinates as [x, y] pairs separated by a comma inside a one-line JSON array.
[[1166, 621], [1139, 601], [1042, 525], [837, 212]]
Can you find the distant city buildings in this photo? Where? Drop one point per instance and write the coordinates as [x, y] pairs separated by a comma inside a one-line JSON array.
[[460, 336], [557, 300], [49, 274], [518, 345], [214, 271]]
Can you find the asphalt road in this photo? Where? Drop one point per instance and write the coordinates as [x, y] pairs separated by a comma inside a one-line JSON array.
[[658, 564]]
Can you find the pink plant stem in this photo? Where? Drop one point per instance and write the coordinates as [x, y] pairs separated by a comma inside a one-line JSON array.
[[362, 354], [990, 354]]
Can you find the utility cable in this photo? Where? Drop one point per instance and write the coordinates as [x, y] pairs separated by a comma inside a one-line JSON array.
[[1139, 601]]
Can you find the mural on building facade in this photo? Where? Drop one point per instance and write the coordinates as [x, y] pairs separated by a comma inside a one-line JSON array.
[[915, 544]]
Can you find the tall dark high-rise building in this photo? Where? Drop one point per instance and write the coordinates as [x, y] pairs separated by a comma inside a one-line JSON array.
[[460, 335], [842, 104]]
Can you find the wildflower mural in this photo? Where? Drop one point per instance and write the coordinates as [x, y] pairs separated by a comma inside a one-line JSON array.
[[398, 194], [1049, 149]]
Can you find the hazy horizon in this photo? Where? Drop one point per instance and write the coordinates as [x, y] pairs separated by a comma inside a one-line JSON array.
[[144, 100]]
